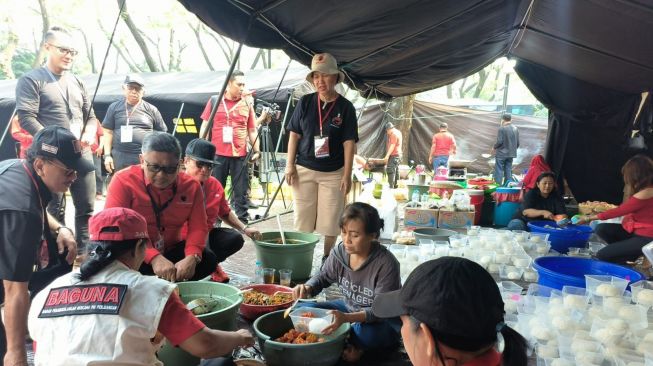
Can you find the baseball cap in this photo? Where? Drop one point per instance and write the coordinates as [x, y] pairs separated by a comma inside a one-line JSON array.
[[389, 125], [455, 297], [202, 150], [59, 143], [117, 224], [135, 79], [326, 64]]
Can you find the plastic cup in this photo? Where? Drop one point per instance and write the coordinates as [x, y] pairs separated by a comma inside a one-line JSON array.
[[268, 275], [284, 277]]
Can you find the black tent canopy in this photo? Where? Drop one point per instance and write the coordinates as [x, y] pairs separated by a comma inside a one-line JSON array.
[[597, 52]]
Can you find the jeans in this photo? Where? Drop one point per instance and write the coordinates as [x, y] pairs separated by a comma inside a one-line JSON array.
[[392, 170], [379, 335], [176, 253], [237, 168], [502, 170], [83, 193], [99, 180], [440, 160], [622, 245], [224, 242], [517, 224]]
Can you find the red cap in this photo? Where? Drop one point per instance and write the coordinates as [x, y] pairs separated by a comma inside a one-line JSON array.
[[117, 224]]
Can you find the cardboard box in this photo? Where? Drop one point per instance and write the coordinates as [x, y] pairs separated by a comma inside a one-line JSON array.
[[420, 217], [455, 219]]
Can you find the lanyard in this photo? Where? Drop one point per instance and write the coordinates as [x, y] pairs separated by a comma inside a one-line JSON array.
[[129, 114], [38, 192], [228, 111], [158, 210], [319, 111], [63, 95]]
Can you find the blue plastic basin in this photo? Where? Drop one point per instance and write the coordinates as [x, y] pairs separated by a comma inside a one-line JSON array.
[[556, 272], [564, 238]]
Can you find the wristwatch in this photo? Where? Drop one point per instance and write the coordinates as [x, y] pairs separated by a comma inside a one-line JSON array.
[[63, 227]]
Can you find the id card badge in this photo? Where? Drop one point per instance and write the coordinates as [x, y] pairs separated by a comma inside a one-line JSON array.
[[159, 244], [126, 133], [321, 147], [227, 134], [76, 127]]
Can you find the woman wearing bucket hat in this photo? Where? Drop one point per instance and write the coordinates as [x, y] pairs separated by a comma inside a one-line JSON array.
[[452, 314], [323, 132], [110, 314]]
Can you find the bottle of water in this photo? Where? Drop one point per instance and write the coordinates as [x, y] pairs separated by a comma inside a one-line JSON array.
[[258, 272], [415, 196]]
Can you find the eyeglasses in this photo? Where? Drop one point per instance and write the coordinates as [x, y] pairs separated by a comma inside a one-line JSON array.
[[67, 171], [155, 168], [65, 50], [202, 164]]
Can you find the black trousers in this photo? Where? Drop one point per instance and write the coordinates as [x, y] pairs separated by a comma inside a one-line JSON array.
[[224, 242], [236, 167], [392, 170], [622, 245]]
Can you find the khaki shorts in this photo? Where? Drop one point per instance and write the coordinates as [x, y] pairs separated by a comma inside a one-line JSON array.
[[318, 201]]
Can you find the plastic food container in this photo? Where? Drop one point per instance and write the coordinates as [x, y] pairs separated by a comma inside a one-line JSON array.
[[574, 297], [521, 261], [509, 287], [312, 320], [458, 241], [510, 272], [602, 285], [643, 293]]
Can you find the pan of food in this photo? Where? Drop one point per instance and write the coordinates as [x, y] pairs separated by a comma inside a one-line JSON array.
[[460, 164]]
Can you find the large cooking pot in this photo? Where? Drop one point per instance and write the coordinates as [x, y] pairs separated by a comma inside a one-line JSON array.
[[296, 254], [433, 234], [460, 164], [273, 325]]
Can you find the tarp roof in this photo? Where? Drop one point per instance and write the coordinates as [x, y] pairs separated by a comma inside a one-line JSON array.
[[403, 47]]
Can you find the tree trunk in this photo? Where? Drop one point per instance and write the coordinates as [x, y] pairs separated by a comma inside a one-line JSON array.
[[119, 49], [196, 30], [402, 110], [449, 91], [45, 18], [260, 55], [7, 54], [89, 51], [138, 37], [171, 50], [482, 78]]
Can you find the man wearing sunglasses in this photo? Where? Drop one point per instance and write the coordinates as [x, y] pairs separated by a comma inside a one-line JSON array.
[[53, 96], [223, 241], [169, 200], [53, 162], [126, 123]]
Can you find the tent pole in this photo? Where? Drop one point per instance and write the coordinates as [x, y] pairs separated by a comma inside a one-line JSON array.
[[4, 134], [505, 93], [283, 123], [174, 131]]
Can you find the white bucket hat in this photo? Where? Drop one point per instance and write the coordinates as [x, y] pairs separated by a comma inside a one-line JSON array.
[[326, 64]]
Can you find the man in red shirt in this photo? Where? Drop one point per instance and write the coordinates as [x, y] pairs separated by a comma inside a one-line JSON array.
[[393, 154], [222, 241], [443, 146], [169, 200], [233, 123]]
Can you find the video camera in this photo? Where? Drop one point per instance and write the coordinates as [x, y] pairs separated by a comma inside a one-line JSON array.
[[273, 109]]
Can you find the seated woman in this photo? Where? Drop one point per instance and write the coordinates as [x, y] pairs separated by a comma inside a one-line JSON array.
[[636, 229], [452, 314], [540, 203], [362, 268]]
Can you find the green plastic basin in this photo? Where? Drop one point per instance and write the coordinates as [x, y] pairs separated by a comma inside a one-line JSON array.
[[297, 254], [273, 325], [223, 317]]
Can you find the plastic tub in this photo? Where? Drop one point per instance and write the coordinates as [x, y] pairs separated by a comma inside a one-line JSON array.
[[562, 238], [556, 272], [312, 320], [251, 312], [297, 256], [433, 234]]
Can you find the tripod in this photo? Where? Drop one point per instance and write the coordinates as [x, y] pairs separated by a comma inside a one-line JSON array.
[[268, 166]]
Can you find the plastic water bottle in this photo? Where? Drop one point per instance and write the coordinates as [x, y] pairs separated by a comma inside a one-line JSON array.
[[258, 272], [415, 196]]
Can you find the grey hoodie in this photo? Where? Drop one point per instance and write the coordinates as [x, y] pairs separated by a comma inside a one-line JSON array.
[[378, 274]]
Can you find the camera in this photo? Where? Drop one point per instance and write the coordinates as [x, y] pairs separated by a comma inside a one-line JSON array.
[[272, 109]]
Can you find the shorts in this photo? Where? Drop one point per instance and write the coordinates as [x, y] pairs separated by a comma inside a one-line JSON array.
[[318, 201]]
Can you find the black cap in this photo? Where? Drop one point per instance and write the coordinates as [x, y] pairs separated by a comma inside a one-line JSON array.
[[59, 143], [202, 150], [389, 125], [506, 117], [134, 79], [444, 125], [455, 297]]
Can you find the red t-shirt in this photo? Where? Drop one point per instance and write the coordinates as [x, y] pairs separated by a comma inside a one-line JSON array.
[[128, 189], [443, 144], [640, 211], [215, 202], [395, 138], [177, 322], [240, 118]]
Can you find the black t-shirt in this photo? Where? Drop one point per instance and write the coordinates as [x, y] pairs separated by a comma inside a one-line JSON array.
[[534, 200], [145, 119], [340, 125]]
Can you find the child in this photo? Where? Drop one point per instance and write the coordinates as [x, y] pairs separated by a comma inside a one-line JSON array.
[[362, 268]]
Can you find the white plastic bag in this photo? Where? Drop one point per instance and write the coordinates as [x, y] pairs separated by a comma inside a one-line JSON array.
[[388, 213]]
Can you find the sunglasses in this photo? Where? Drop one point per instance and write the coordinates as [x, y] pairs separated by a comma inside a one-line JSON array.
[[67, 171], [64, 50], [134, 87], [202, 164], [156, 168]]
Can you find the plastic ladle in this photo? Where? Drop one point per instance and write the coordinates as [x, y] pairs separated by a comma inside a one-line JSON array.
[[283, 236]]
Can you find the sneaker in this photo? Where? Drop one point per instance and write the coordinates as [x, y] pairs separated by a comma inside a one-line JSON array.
[[251, 204], [219, 275]]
